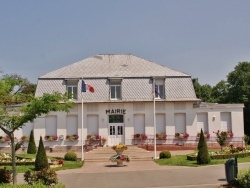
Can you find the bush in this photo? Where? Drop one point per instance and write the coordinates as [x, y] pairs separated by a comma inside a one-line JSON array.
[[5, 176], [165, 154], [70, 156], [41, 161], [32, 145], [243, 178], [45, 176], [203, 155], [35, 185]]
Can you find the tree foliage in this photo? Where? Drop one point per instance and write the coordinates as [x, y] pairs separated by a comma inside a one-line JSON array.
[[17, 107], [41, 161], [236, 89], [203, 155], [32, 145]]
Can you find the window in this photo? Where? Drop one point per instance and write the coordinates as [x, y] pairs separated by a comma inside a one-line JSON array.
[[159, 89], [115, 89], [116, 119], [72, 89]]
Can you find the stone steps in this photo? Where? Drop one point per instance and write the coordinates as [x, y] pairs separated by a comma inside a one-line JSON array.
[[102, 154]]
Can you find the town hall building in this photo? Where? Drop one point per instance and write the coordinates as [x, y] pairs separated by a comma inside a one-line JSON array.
[[129, 100]]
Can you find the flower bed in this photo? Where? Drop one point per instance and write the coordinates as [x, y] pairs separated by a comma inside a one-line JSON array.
[[55, 163], [5, 159], [227, 152]]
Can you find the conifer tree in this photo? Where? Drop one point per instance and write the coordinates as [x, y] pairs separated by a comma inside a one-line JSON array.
[[41, 161], [203, 155], [32, 145]]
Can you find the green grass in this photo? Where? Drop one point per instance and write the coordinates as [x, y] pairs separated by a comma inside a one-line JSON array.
[[24, 168], [181, 160]]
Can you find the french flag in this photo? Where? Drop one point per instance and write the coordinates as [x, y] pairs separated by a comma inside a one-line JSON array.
[[87, 87]]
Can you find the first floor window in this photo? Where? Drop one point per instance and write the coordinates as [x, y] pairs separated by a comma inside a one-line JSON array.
[[115, 89], [159, 91], [72, 91]]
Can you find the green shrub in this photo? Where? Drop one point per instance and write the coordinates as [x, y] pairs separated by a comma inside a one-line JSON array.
[[243, 178], [32, 145], [41, 161], [5, 176], [30, 177], [45, 176], [70, 156], [165, 154], [35, 185], [203, 155]]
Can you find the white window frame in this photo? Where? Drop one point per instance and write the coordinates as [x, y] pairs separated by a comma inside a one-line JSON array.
[[159, 89], [115, 90], [72, 90]]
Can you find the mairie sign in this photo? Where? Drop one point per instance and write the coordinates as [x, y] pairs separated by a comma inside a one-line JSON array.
[[116, 111]]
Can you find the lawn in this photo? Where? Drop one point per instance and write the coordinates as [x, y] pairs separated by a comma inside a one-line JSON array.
[[181, 160], [24, 168]]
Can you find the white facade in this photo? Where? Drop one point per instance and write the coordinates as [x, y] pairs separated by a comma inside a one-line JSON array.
[[123, 103]]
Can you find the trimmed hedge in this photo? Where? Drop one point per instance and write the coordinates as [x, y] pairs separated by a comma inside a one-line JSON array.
[[225, 156], [17, 163]]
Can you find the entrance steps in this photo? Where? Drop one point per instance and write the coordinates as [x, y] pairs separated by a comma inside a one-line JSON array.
[[102, 154]]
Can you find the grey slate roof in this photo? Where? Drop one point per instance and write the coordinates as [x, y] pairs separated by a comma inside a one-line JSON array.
[[113, 66], [135, 72]]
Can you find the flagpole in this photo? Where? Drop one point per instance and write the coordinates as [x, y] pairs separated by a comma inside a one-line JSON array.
[[154, 118], [82, 131]]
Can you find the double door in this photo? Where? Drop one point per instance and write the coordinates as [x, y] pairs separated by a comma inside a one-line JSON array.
[[116, 130]]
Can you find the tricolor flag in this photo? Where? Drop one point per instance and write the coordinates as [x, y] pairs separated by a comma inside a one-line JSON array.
[[156, 90], [87, 87]]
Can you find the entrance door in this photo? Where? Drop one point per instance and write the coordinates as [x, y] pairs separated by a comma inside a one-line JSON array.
[[116, 130]]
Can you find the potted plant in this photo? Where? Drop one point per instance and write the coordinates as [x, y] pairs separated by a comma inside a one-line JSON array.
[[25, 138], [104, 140], [4, 139], [206, 134], [93, 137], [230, 134], [119, 148], [181, 135], [73, 137], [140, 136], [161, 136], [119, 157], [51, 137]]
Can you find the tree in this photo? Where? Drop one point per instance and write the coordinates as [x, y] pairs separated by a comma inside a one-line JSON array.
[[14, 113], [32, 145], [221, 138], [203, 92], [220, 92], [203, 155], [41, 161], [239, 90]]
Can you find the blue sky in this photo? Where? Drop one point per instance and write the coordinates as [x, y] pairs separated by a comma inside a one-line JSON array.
[[205, 39]]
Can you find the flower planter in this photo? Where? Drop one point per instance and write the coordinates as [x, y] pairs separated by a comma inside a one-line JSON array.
[[119, 151], [119, 158], [119, 163]]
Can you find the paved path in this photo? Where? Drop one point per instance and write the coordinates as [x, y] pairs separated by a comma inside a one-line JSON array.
[[142, 174]]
